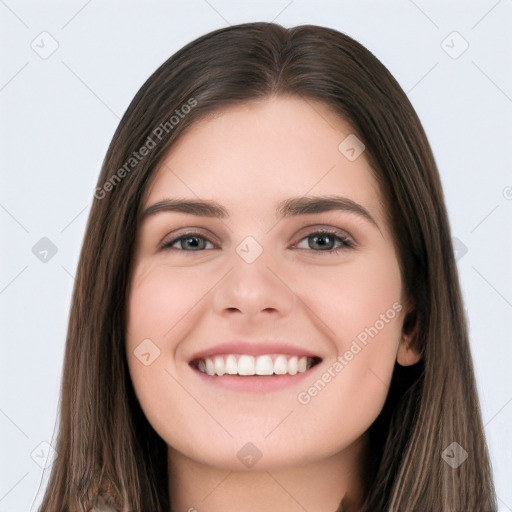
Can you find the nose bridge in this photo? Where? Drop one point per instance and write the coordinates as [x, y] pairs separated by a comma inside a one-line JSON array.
[[253, 285], [250, 250]]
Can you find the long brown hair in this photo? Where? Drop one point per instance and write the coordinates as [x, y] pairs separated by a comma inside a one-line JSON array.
[[104, 440]]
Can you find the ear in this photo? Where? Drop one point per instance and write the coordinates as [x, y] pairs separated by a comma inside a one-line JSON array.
[[407, 354]]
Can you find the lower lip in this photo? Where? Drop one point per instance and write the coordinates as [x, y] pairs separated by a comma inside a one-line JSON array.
[[254, 383]]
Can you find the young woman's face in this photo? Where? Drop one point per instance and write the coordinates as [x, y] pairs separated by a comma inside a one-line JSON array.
[[263, 290]]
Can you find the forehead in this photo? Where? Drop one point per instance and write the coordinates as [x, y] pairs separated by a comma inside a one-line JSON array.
[[249, 155]]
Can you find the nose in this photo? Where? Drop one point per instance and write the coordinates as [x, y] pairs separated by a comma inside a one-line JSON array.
[[253, 290]]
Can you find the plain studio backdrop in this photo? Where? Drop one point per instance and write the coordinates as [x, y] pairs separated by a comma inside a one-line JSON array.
[[69, 71]]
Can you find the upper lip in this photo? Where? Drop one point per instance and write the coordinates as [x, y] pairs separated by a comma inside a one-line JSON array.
[[252, 348]]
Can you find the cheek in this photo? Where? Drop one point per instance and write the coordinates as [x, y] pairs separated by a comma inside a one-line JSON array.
[[352, 297], [372, 305], [159, 302], [361, 308], [159, 299]]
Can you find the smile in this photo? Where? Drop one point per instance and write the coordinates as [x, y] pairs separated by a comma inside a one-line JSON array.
[[246, 365]]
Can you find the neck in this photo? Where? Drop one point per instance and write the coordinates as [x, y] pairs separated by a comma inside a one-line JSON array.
[[327, 485]]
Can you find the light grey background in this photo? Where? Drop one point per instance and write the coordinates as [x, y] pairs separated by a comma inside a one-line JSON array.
[[58, 114]]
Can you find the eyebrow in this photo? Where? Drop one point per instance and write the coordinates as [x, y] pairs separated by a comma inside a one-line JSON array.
[[288, 208]]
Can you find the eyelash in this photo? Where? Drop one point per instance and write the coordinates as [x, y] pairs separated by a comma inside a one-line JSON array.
[[346, 243]]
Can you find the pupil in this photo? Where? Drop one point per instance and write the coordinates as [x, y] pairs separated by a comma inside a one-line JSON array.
[[322, 237], [192, 239]]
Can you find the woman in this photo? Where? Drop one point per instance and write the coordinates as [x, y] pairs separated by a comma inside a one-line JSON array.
[[221, 356]]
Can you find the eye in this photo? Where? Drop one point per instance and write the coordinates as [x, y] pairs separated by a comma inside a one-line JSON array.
[[195, 239], [324, 240]]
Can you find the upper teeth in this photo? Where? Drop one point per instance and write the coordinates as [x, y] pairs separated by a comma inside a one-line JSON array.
[[234, 364]]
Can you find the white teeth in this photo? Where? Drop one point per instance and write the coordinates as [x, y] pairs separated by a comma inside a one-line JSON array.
[[246, 365], [280, 365], [293, 365], [231, 365], [264, 365], [210, 370], [218, 365], [250, 365]]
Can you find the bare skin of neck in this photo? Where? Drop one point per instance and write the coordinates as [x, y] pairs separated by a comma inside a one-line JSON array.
[[332, 484]]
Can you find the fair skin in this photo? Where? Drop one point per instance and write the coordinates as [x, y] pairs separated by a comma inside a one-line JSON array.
[[202, 292]]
